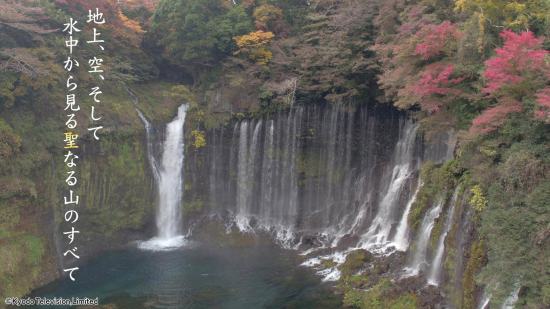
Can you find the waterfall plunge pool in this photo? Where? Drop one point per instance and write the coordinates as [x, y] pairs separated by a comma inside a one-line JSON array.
[[198, 275]]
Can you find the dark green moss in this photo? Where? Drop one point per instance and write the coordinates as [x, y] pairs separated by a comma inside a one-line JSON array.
[[355, 260], [477, 259], [21, 257], [382, 295]]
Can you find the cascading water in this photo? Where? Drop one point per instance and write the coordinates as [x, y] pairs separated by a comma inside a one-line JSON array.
[[511, 300], [419, 255], [318, 177], [378, 234], [150, 153], [401, 238], [436, 266], [170, 184], [485, 300], [243, 186], [304, 173]]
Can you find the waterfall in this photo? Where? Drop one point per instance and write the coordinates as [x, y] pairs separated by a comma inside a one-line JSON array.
[[267, 171], [247, 159], [169, 185], [511, 300], [378, 234], [243, 181], [420, 252], [318, 176], [435, 269], [149, 140], [315, 173], [485, 300], [401, 238]]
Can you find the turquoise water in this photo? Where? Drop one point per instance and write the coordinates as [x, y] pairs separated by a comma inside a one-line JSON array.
[[198, 276]]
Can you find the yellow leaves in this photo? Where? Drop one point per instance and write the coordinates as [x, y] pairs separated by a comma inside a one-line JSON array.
[[254, 39], [460, 5], [261, 55], [199, 139], [266, 13], [511, 14], [254, 46], [516, 15], [518, 8], [478, 200], [481, 37]]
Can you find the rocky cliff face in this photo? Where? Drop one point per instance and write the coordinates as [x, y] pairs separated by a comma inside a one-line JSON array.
[[115, 186], [117, 201]]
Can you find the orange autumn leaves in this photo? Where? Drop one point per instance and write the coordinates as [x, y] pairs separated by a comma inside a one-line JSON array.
[[121, 26], [255, 44]]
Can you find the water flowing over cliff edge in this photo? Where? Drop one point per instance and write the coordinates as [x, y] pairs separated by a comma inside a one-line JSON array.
[[324, 180]]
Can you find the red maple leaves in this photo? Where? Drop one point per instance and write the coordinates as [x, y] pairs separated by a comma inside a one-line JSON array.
[[521, 57], [436, 81], [543, 102], [494, 117], [434, 39], [518, 70]]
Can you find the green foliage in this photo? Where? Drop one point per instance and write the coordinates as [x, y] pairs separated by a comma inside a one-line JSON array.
[[35, 249], [517, 15], [354, 282], [405, 301], [353, 298], [380, 296], [266, 15], [512, 166], [328, 263], [10, 142], [515, 222], [7, 87], [113, 186], [233, 23], [476, 261], [9, 217], [21, 259], [265, 97], [521, 170], [355, 260], [437, 183], [182, 94], [198, 32]]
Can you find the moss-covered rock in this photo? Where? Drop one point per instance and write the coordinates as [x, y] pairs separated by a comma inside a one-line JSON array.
[[355, 260], [382, 295], [477, 259], [21, 257], [117, 189]]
